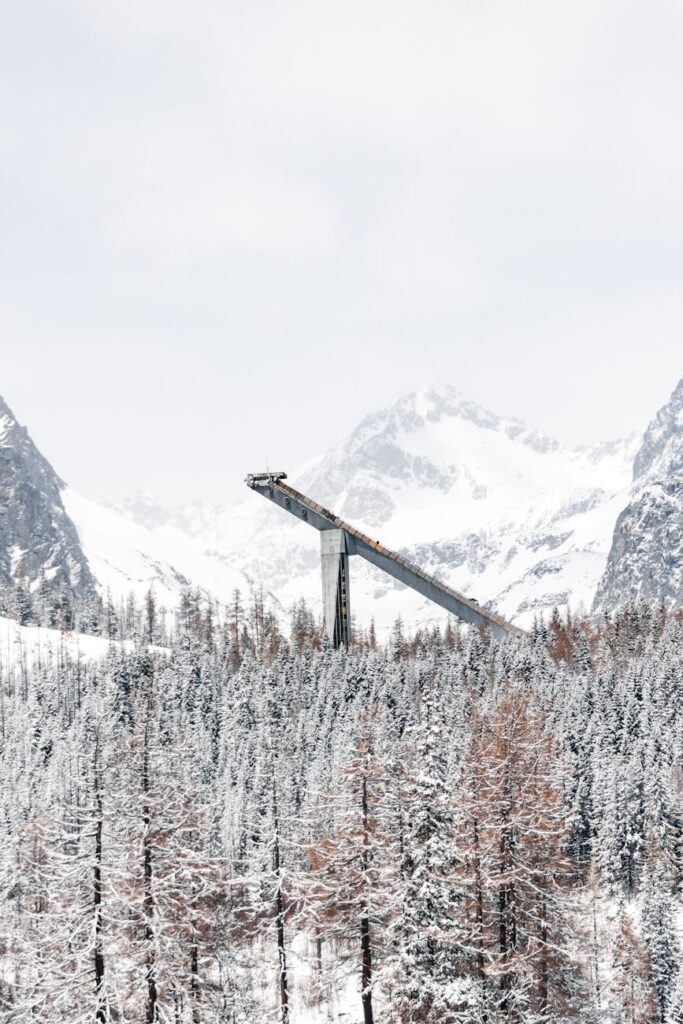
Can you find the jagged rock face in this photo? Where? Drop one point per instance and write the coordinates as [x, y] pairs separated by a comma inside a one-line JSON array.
[[37, 537], [646, 557]]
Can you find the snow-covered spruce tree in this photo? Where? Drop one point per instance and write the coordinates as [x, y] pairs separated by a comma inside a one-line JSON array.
[[609, 820], [65, 880], [265, 881], [170, 889], [427, 960], [29, 736], [351, 867], [659, 931], [674, 1010]]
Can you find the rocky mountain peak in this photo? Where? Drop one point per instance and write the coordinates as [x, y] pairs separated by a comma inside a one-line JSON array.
[[662, 449], [436, 402], [37, 538], [12, 434], [646, 557]]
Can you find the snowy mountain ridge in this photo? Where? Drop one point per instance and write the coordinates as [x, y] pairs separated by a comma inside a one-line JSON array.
[[497, 509], [128, 557]]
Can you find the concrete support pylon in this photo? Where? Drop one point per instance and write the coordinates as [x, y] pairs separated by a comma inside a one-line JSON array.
[[335, 571]]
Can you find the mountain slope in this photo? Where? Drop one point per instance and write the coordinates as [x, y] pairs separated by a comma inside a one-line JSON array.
[[37, 537], [50, 533], [127, 557], [646, 556], [496, 509]]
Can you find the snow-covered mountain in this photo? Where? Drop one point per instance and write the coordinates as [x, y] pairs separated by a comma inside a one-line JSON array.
[[646, 556], [127, 557], [496, 509], [37, 538], [50, 533]]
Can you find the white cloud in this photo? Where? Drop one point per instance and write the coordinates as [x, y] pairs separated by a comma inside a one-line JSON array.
[[420, 261], [199, 213], [260, 179]]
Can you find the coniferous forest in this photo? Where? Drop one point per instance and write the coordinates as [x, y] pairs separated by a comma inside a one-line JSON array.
[[217, 822]]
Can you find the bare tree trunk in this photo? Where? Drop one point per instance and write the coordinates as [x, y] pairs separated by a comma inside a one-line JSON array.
[[101, 1012], [148, 901], [503, 931], [480, 920], [545, 972], [596, 959], [280, 913], [366, 970], [366, 948], [194, 978]]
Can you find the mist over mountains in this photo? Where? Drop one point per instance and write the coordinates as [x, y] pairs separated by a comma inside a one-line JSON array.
[[496, 509]]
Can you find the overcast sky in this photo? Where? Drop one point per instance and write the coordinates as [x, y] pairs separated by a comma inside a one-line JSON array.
[[228, 230]]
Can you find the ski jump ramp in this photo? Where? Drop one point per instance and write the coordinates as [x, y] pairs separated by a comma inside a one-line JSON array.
[[339, 540]]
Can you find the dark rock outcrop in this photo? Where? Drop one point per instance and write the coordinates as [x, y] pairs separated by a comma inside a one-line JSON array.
[[38, 541], [646, 558]]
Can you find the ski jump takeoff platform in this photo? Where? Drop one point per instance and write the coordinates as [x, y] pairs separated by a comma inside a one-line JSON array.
[[339, 540]]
